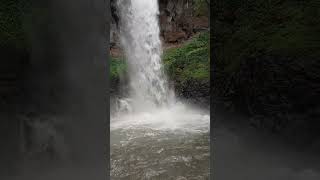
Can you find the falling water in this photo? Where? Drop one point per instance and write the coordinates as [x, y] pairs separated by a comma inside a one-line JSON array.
[[139, 36]]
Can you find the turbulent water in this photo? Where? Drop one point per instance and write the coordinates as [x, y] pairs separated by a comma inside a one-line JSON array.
[[139, 36], [153, 135]]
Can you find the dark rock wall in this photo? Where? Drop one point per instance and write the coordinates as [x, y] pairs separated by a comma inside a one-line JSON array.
[[178, 20]]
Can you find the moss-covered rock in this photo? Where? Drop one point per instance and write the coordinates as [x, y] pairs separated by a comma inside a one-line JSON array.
[[189, 68]]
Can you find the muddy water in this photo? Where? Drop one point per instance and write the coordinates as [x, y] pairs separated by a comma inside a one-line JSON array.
[[156, 154]]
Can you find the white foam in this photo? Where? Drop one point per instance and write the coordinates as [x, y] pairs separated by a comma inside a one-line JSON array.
[[176, 117]]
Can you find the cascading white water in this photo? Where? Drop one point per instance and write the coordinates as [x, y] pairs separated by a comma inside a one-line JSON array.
[[140, 38]]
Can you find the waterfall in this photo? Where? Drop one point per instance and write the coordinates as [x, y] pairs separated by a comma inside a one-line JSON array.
[[140, 39], [151, 116]]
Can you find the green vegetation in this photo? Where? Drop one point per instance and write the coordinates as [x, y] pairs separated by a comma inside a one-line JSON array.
[[191, 62], [117, 66]]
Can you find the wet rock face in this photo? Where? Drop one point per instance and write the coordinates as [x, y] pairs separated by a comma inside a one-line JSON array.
[[176, 18], [172, 16], [114, 37]]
